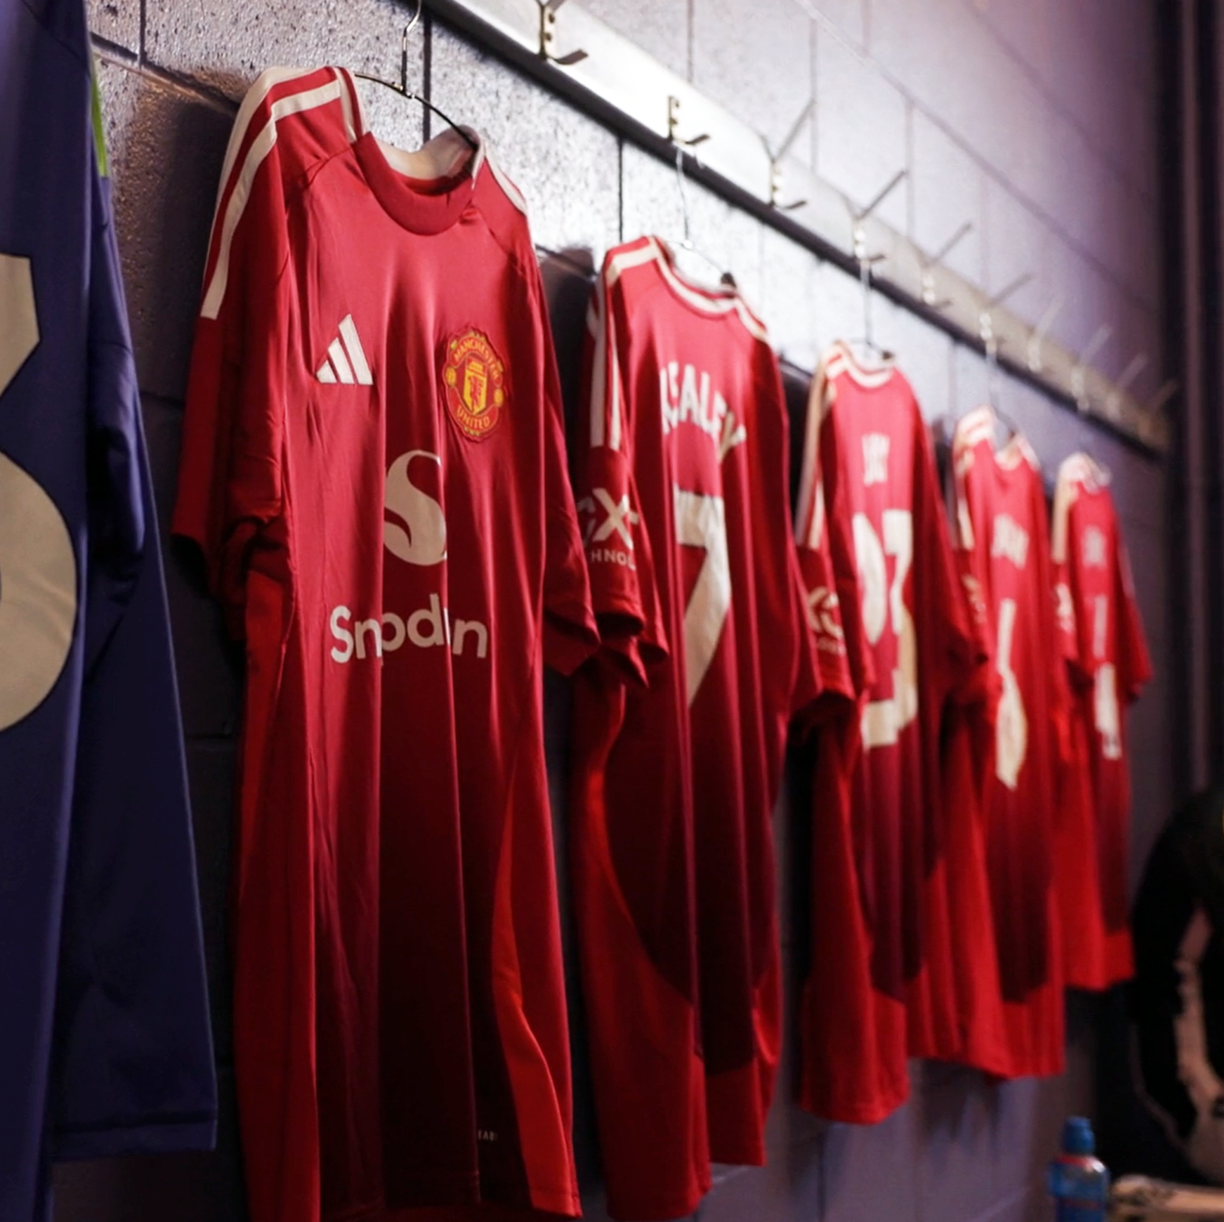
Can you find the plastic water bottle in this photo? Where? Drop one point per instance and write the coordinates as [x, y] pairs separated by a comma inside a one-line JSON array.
[[1078, 1182]]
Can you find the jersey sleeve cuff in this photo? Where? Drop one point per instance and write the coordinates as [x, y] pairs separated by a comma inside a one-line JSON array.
[[567, 644]]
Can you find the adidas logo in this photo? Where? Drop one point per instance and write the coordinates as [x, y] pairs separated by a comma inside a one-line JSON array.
[[346, 360]]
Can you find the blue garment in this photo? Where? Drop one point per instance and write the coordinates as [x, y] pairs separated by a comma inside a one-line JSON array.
[[104, 1039]]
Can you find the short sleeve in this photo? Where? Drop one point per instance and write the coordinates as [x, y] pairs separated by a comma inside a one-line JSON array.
[[972, 564], [1134, 662], [230, 485], [615, 537], [821, 598], [1066, 595], [826, 553], [570, 632], [792, 674], [943, 611]]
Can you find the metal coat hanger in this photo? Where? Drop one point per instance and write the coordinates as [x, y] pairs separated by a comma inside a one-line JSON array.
[[686, 242], [1079, 387], [990, 343], [865, 262], [411, 94], [992, 392]]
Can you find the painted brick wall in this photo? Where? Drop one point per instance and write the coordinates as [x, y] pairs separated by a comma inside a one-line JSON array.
[[1033, 119]]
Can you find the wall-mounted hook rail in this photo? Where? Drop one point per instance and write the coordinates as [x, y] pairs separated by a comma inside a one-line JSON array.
[[1156, 404], [862, 215], [864, 257], [1004, 293], [929, 266], [893, 183], [1079, 376], [986, 331], [1113, 398], [623, 86], [548, 36], [673, 125], [1032, 349], [776, 172]]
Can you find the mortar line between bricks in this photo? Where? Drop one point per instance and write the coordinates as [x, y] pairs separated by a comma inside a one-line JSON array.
[[620, 187], [1048, 222], [1033, 77], [863, 55], [987, 168]]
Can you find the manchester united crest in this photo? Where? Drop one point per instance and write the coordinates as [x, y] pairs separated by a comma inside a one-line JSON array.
[[474, 378]]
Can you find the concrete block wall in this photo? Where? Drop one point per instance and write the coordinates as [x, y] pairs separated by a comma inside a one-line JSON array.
[[1032, 119]]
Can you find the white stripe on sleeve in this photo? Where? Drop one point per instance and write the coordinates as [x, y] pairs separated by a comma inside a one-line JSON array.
[[260, 148]]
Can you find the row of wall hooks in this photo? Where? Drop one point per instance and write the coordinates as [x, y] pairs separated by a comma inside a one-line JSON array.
[[626, 87]]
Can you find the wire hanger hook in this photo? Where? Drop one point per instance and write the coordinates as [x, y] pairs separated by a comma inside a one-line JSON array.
[[413, 95]]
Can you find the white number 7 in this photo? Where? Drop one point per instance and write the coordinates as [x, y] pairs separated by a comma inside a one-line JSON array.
[[883, 720], [1011, 725], [701, 522], [1107, 715]]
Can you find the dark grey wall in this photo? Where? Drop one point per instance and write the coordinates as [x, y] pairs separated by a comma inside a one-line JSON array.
[[1032, 118]]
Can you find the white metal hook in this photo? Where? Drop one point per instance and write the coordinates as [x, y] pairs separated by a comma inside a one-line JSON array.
[[775, 161], [1113, 400], [673, 125], [548, 36], [1079, 382], [892, 184], [1040, 331], [864, 259], [1162, 396], [928, 267]]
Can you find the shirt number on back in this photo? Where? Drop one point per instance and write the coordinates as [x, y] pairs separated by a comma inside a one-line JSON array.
[[701, 522], [884, 607], [38, 600], [1011, 725], [1105, 691]]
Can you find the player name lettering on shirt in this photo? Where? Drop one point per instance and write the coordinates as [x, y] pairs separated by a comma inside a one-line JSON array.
[[1094, 548], [875, 458], [427, 628], [1010, 540], [686, 399]]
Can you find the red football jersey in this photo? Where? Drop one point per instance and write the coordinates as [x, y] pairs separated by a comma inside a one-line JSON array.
[[1002, 549], [374, 465], [681, 473], [839, 1057], [869, 470], [1108, 664]]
